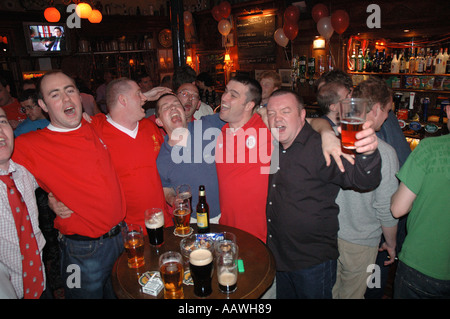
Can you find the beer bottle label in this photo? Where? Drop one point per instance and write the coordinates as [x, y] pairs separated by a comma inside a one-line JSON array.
[[202, 220]]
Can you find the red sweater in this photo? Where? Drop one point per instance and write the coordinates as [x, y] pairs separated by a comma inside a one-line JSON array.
[[77, 168], [242, 184], [135, 163]]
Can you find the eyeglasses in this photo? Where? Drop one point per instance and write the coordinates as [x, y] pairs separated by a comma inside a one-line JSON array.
[[24, 109], [189, 95]]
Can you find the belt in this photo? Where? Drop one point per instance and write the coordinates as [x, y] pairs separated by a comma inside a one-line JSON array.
[[113, 232]]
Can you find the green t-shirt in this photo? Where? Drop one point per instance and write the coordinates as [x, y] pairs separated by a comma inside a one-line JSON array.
[[427, 174]]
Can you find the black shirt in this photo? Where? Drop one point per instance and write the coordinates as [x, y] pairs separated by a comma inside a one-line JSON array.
[[302, 216]]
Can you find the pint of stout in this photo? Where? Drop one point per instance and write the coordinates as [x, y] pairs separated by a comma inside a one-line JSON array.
[[171, 269], [154, 223], [201, 265]]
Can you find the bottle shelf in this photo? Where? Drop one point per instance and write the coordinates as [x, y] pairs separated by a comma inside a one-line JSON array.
[[399, 74]]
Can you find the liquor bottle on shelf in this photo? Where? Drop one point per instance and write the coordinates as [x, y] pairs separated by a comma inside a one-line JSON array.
[[360, 62], [382, 61], [420, 62], [387, 63], [402, 62], [439, 65], [202, 211], [444, 61], [311, 70], [367, 61], [412, 62], [353, 62], [429, 61], [302, 69], [395, 64], [447, 67], [407, 55], [375, 62]]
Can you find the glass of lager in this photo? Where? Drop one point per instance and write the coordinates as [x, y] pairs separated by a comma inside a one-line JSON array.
[[227, 270], [171, 269], [154, 223], [352, 116], [201, 267], [182, 219], [133, 239]]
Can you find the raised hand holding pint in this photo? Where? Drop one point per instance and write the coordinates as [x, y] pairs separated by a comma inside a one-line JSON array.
[[352, 116]]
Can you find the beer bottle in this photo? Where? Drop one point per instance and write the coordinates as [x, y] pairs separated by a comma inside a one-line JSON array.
[[202, 211]]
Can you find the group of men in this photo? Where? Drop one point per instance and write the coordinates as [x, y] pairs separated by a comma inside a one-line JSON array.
[[282, 192]]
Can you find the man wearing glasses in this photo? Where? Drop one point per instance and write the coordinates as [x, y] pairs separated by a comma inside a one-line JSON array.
[[36, 118], [189, 97]]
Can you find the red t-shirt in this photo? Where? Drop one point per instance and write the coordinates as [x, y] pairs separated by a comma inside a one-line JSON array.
[[13, 111], [242, 161], [77, 168], [135, 162]]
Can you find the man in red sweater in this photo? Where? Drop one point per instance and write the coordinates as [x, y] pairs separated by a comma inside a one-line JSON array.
[[69, 160], [10, 105]]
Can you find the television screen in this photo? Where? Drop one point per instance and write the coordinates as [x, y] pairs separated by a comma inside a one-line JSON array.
[[46, 38]]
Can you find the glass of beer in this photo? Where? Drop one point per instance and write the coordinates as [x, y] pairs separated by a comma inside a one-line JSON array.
[[201, 267], [352, 116], [182, 219], [171, 269], [154, 223], [133, 239], [184, 194], [227, 270]]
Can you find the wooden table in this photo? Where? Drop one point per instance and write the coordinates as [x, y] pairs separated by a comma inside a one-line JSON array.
[[258, 276]]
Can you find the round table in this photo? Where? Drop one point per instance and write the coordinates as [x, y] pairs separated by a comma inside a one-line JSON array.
[[257, 277]]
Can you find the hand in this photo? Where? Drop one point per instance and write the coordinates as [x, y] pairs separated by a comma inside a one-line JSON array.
[[262, 111], [367, 141], [391, 252], [87, 117], [58, 208], [331, 146], [156, 93]]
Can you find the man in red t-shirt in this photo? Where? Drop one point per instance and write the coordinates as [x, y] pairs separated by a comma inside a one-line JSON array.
[[68, 159], [10, 105]]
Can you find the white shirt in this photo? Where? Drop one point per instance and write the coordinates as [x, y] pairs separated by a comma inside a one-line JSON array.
[[10, 255]]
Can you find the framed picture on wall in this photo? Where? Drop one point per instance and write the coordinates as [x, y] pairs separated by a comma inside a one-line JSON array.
[[286, 79]]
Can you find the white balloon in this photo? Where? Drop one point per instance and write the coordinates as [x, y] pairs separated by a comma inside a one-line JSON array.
[[280, 38], [224, 27], [325, 28]]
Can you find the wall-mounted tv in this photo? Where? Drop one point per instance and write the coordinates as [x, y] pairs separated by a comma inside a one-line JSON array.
[[46, 39]]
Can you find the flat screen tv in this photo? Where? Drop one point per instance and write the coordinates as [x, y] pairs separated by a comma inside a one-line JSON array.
[[46, 39]]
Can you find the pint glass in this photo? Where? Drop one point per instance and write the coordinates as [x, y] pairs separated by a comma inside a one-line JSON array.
[[353, 116], [154, 223], [171, 269], [133, 239], [182, 219], [227, 271], [201, 266]]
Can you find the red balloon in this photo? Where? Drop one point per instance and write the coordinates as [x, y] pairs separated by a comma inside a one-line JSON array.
[[319, 11], [340, 21], [290, 30], [216, 13], [292, 14], [225, 9]]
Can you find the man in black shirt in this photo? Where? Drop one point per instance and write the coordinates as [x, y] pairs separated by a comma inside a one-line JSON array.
[[302, 216]]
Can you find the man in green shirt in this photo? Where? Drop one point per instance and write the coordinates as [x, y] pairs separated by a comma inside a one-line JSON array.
[[424, 267]]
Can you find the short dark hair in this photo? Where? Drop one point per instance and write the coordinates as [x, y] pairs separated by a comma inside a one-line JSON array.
[[298, 98], [206, 78], [335, 75], [157, 105], [254, 88], [328, 94], [375, 90], [29, 94], [183, 74]]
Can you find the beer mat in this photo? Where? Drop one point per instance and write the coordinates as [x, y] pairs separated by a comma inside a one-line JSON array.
[[431, 128], [191, 230], [151, 283], [415, 126], [187, 279], [402, 123]]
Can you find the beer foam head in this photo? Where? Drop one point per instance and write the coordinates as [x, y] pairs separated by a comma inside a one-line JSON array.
[[156, 221], [200, 257]]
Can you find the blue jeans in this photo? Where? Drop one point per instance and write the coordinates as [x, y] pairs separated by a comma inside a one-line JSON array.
[[312, 283], [412, 284], [95, 259]]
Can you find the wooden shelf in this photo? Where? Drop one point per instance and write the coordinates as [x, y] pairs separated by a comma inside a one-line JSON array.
[[400, 74]]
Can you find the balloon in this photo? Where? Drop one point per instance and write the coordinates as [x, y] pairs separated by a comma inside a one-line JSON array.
[[292, 14], [325, 28], [225, 9], [319, 11], [187, 17], [224, 27], [280, 37], [290, 30], [340, 21], [216, 13]]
